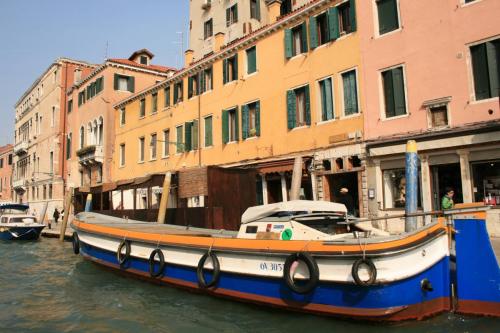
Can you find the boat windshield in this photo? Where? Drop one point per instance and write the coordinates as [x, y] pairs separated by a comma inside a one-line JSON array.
[[22, 220]]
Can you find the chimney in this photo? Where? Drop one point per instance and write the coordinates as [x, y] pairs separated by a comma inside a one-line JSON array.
[[188, 57], [273, 8], [219, 41]]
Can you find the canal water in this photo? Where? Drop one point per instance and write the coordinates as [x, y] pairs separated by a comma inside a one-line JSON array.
[[44, 287]]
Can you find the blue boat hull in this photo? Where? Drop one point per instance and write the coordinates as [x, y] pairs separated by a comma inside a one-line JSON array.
[[20, 233]]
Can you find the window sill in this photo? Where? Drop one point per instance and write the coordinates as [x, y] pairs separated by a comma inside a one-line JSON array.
[[247, 76], [142, 117], [165, 157], [140, 162], [231, 142], [392, 32], [324, 122], [300, 128], [152, 159], [396, 117], [153, 113], [206, 92], [481, 101], [208, 147], [358, 114], [301, 55], [231, 82], [464, 5], [322, 46], [121, 167], [250, 138]]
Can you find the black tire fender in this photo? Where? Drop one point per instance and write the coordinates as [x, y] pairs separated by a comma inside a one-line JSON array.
[[75, 241], [216, 272], [372, 272], [122, 258], [312, 266], [152, 272]]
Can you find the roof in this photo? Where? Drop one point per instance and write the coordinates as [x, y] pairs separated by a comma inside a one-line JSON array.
[[157, 68], [259, 212], [139, 52], [7, 148]]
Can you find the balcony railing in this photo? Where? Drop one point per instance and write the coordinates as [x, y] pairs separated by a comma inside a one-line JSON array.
[[90, 155], [19, 184], [21, 147]]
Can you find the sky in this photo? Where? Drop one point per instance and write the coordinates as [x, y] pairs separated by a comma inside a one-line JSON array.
[[33, 33]]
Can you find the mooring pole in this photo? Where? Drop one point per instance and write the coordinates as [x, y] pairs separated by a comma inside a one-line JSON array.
[[88, 202], [67, 211], [411, 191], [162, 212], [296, 179]]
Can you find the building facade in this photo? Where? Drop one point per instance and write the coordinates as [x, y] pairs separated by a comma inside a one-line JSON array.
[[258, 102], [6, 160], [90, 127], [433, 78], [38, 175]]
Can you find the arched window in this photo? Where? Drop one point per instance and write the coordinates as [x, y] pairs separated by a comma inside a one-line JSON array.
[[95, 133], [101, 130], [89, 134], [69, 140], [82, 137]]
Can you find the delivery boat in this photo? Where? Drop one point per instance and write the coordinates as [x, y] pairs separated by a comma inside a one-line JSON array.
[[16, 224], [309, 256]]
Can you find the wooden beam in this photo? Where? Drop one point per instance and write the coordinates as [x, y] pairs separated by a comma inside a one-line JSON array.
[[162, 212]]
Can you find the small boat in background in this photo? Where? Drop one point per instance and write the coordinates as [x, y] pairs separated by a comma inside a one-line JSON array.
[[16, 224]]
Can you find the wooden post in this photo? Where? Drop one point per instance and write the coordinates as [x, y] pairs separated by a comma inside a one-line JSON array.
[[296, 179], [44, 212], [88, 202], [162, 212], [67, 211]]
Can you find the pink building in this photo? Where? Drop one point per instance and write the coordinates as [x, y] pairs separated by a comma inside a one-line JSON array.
[[431, 73], [6, 159], [91, 123]]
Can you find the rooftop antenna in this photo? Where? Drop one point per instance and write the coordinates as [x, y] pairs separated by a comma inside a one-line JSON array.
[[181, 33]]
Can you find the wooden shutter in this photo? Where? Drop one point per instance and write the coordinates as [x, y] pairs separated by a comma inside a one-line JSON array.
[[308, 105], [236, 124], [235, 12], [493, 55], [190, 87], [115, 83], [291, 107], [194, 136], [328, 98], [224, 71], [352, 14], [235, 67], [208, 131], [201, 88], [131, 84], [288, 43], [257, 118], [166, 93], [333, 23], [252, 60], [228, 15], [244, 121], [176, 93], [322, 90], [387, 16], [257, 8], [225, 126], [303, 31], [399, 91], [313, 32], [179, 139], [187, 135], [388, 94]]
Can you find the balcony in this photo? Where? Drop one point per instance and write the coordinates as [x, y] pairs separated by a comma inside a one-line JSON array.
[[21, 148], [90, 155], [19, 185]]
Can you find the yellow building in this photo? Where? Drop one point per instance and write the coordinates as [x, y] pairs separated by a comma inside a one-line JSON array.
[[288, 89]]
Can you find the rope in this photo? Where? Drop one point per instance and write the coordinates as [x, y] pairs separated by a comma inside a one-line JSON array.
[[362, 248], [210, 248]]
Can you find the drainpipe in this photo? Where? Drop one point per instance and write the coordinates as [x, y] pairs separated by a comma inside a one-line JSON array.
[[65, 105]]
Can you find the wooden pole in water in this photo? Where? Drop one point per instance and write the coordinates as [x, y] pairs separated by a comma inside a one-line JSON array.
[[411, 191], [44, 212], [67, 211], [162, 212], [296, 179]]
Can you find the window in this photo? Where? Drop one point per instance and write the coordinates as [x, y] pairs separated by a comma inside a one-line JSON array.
[[166, 93], [191, 135], [154, 103], [231, 15], [193, 85], [208, 131], [251, 60], [50, 191], [122, 117], [141, 149], [326, 96], [250, 120], [70, 106], [208, 30], [124, 83], [206, 80], [142, 108], [81, 98], [255, 9], [99, 173], [438, 115], [230, 130], [485, 69], [53, 118], [295, 41], [122, 154], [82, 137], [394, 92], [395, 189], [144, 60], [51, 161], [10, 159], [166, 142], [99, 85], [286, 7], [230, 69], [319, 30], [298, 107], [388, 19], [179, 144], [152, 145], [44, 192], [69, 140], [178, 92], [350, 93], [347, 17], [1, 163]]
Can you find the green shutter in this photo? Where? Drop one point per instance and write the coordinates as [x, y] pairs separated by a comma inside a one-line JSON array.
[[313, 32], [208, 131], [228, 16], [252, 60], [303, 31], [195, 135], [352, 14], [236, 124], [333, 23], [166, 93], [350, 93], [176, 93], [257, 4], [179, 140], [244, 121], [322, 91], [308, 105], [225, 126], [235, 67], [328, 99], [190, 87], [236, 13], [187, 136], [399, 91], [493, 55], [387, 16], [388, 94], [202, 82], [131, 84], [79, 99], [257, 118], [224, 71], [288, 43], [291, 107], [115, 83]]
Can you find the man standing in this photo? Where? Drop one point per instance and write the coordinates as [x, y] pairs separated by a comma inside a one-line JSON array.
[[447, 201], [346, 199], [56, 215]]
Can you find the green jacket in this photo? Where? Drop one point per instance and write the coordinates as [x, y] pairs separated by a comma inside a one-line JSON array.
[[446, 202]]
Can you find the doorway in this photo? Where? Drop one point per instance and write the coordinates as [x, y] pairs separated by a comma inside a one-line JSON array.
[[348, 180], [443, 177]]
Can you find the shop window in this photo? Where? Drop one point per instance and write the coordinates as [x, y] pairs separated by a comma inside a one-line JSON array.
[[388, 19], [394, 182], [485, 69], [298, 107], [486, 177]]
